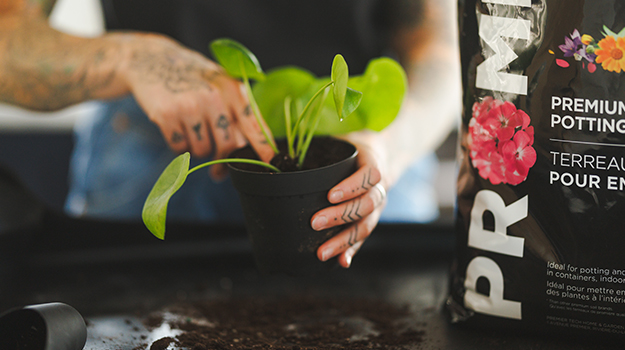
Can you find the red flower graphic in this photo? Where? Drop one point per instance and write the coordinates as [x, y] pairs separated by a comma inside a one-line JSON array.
[[500, 142]]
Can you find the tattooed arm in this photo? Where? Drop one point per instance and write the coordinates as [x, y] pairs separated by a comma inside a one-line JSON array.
[[427, 48], [196, 106], [43, 69]]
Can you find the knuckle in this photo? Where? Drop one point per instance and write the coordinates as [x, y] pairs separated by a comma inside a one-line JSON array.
[[207, 95], [372, 201], [376, 174], [167, 112]]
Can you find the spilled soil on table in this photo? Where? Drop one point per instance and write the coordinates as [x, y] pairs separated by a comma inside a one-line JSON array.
[[288, 323]]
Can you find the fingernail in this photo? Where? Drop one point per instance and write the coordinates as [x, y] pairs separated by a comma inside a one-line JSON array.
[[348, 259], [336, 196], [319, 223], [326, 254]]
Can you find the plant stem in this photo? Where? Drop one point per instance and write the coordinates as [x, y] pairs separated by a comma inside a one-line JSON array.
[[311, 131], [287, 122], [256, 110], [301, 116], [234, 160]]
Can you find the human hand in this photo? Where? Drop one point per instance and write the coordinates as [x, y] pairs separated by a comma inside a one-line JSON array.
[[358, 201], [196, 105]]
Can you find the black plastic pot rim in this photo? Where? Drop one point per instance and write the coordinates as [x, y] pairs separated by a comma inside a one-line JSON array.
[[293, 182]]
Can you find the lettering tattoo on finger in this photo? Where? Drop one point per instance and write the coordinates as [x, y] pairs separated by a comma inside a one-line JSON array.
[[224, 123], [197, 128], [351, 211], [177, 137]]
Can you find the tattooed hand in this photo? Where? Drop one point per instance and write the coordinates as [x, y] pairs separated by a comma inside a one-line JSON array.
[[195, 104], [359, 201]]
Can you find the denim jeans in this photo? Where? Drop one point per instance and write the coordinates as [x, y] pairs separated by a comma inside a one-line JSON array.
[[119, 155]]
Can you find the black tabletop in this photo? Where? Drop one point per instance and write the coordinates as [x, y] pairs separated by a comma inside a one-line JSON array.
[[119, 278]]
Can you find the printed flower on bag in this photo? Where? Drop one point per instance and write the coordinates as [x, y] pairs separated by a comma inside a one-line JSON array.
[[609, 51], [610, 54], [500, 142], [575, 47]]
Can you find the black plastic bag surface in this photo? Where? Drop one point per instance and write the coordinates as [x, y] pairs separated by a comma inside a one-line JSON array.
[[541, 207]]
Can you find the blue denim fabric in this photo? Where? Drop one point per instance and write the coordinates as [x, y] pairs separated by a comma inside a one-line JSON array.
[[119, 154]]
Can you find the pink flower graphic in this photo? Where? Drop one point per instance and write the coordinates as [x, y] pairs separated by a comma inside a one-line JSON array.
[[500, 142]]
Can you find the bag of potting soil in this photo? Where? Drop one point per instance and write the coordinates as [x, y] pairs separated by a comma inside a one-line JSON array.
[[541, 188]]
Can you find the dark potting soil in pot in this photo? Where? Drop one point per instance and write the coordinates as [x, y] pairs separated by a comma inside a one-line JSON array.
[[289, 323], [323, 151]]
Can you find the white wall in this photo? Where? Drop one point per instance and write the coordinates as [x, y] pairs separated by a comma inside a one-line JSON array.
[[77, 17]]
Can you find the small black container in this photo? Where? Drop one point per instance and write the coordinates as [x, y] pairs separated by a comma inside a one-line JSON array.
[[51, 326], [278, 209]]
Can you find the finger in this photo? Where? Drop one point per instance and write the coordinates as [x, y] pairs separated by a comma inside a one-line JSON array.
[[345, 259], [176, 138], [362, 181], [172, 129], [219, 171], [198, 137], [350, 211], [348, 242], [223, 130], [213, 131]]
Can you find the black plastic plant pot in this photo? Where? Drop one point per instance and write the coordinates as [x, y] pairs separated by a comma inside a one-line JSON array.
[[278, 207], [51, 326]]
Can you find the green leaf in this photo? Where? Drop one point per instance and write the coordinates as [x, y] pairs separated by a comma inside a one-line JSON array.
[[352, 101], [270, 94], [383, 86], [155, 207], [339, 75], [608, 32], [229, 54]]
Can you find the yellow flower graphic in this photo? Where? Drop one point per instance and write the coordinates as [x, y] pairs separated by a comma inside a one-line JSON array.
[[587, 39], [611, 54]]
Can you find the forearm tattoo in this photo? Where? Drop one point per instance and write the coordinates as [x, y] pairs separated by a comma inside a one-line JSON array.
[[176, 70], [40, 70]]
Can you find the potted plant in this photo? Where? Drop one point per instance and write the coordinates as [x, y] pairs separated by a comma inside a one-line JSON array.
[[280, 197]]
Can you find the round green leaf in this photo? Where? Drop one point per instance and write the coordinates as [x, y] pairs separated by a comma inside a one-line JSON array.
[[229, 53], [270, 94], [155, 207]]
